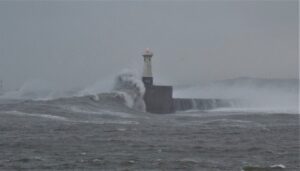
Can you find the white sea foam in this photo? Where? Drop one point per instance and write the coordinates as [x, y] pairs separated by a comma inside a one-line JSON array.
[[278, 166], [60, 118], [253, 109], [77, 109], [47, 116], [129, 85], [120, 122]]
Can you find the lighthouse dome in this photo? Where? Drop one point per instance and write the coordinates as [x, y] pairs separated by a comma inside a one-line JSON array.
[[147, 52]]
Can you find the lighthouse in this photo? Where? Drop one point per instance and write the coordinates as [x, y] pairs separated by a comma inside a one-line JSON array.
[[158, 98], [147, 74]]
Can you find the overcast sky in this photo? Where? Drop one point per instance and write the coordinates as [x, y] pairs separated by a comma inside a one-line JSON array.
[[78, 43]]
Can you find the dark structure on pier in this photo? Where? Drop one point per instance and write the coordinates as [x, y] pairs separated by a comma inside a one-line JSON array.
[[159, 99]]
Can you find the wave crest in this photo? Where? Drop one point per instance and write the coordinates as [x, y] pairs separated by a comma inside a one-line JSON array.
[[129, 85]]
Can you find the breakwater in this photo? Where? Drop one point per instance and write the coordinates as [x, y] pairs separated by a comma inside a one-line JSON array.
[[181, 104]]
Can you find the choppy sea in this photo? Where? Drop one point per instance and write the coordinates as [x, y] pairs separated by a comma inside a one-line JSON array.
[[112, 131]]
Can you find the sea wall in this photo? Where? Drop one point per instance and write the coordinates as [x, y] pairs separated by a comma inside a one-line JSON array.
[[158, 99], [181, 104]]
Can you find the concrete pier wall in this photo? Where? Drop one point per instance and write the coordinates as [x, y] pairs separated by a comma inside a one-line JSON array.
[[158, 99], [181, 104]]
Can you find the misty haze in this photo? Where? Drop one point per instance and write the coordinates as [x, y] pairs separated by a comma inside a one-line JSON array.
[[152, 85]]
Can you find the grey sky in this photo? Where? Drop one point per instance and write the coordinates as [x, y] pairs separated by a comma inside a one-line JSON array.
[[78, 43]]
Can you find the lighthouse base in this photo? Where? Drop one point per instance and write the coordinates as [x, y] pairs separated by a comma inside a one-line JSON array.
[[158, 99]]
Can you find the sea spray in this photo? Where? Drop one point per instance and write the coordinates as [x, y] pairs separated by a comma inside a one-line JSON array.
[[37, 89], [129, 85], [102, 86], [126, 86], [248, 94]]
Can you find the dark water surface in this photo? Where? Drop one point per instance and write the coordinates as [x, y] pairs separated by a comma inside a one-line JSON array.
[[118, 140]]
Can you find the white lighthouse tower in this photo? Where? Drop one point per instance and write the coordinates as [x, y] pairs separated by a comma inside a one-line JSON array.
[[147, 75]]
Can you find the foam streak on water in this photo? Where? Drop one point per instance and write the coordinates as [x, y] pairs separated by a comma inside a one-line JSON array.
[[46, 116]]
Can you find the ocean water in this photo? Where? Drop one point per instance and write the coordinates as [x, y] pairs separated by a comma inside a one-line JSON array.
[[110, 130]]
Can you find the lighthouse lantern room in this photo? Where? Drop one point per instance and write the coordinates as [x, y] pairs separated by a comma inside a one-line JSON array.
[[147, 74]]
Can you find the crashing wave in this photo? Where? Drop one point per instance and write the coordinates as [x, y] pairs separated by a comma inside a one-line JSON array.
[[129, 88]]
